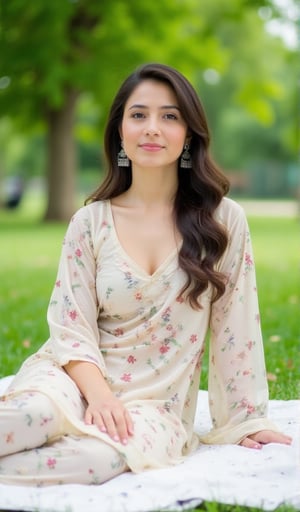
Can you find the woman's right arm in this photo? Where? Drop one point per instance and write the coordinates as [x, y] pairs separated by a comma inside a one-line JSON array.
[[104, 410], [73, 323], [74, 308]]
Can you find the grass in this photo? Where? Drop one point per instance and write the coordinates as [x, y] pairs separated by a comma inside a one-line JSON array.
[[28, 265]]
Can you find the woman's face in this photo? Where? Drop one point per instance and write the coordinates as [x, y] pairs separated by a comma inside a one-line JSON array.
[[153, 130]]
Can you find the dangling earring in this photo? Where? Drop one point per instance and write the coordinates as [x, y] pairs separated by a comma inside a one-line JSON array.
[[186, 161], [123, 160]]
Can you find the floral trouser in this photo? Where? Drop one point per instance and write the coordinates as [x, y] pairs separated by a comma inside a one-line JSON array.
[[34, 449]]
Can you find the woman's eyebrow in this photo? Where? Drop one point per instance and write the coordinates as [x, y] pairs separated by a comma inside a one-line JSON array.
[[165, 107]]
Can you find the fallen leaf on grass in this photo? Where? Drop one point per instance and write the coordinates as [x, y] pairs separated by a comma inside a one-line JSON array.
[[26, 343], [271, 377], [293, 299], [290, 363], [275, 338]]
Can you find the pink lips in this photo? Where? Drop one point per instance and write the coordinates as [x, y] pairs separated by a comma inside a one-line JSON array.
[[151, 147]]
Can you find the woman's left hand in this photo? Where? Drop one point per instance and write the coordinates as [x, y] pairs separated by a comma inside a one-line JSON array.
[[262, 437]]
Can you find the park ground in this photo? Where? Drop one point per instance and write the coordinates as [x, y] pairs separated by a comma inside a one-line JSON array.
[[270, 208]]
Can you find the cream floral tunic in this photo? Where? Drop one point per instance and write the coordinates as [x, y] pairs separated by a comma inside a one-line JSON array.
[[148, 343]]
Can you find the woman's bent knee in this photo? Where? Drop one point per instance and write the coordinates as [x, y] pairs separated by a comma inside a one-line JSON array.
[[27, 421]]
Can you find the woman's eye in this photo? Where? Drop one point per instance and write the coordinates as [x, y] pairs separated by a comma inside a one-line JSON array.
[[170, 116], [137, 115]]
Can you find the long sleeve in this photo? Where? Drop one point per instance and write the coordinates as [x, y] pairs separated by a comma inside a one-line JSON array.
[[73, 308], [238, 391]]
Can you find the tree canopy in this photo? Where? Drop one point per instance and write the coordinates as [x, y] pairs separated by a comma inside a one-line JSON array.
[[54, 54]]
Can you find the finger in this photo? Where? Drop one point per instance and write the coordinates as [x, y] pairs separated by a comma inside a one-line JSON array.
[[121, 418], [98, 421], [88, 418], [94, 418], [250, 443], [129, 422], [110, 425]]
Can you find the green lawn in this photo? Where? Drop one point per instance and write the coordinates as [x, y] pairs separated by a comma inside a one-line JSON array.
[[28, 264]]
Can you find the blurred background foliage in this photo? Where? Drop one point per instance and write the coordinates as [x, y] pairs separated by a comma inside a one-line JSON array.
[[62, 61]]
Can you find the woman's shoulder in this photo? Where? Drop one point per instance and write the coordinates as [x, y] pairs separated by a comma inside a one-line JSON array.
[[229, 211], [96, 211], [91, 223], [91, 219]]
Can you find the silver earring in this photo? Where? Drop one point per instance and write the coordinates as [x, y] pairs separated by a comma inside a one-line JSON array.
[[185, 160], [123, 160]]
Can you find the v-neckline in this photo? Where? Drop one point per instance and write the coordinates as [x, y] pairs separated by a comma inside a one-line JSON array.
[[164, 264]]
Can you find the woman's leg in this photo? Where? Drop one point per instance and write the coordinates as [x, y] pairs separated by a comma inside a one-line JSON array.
[[70, 460], [28, 421]]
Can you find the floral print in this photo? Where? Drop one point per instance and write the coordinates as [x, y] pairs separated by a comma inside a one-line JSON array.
[[148, 342]]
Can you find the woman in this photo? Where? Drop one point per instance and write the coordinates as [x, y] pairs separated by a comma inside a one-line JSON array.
[[156, 258]]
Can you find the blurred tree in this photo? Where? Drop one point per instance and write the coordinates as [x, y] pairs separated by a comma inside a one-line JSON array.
[[52, 52], [256, 110]]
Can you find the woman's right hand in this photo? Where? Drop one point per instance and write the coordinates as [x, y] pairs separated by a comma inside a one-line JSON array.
[[104, 410], [109, 414]]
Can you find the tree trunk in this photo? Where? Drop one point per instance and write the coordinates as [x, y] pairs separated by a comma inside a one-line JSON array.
[[61, 168]]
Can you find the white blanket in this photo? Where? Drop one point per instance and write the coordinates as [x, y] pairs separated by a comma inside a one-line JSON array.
[[227, 474]]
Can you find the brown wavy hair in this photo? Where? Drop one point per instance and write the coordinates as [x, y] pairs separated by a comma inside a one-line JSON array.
[[200, 189]]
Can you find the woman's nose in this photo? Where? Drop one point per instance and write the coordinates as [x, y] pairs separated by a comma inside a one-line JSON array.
[[152, 128]]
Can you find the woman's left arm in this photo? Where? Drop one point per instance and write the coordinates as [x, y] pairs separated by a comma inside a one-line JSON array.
[[238, 390]]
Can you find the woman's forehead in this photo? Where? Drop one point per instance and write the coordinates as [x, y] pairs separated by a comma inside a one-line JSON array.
[[151, 92]]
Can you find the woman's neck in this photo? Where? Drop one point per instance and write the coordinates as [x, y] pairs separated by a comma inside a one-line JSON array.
[[152, 188]]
